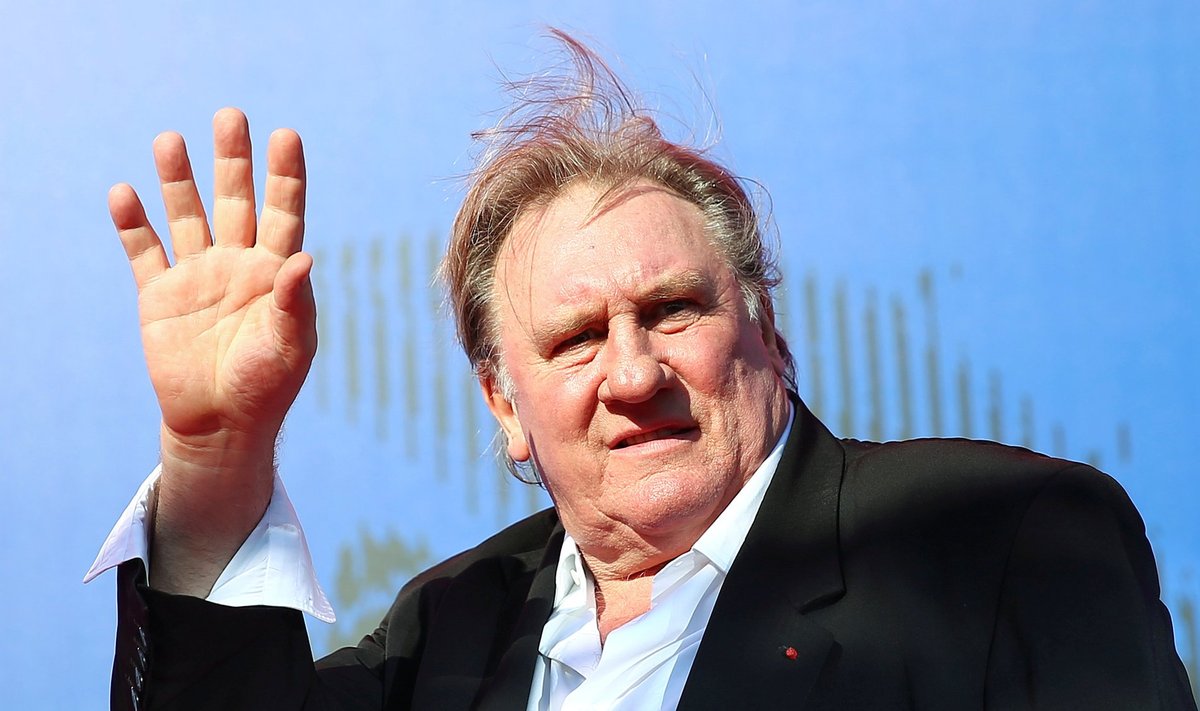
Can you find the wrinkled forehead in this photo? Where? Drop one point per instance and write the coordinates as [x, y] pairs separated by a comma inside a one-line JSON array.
[[586, 225], [589, 234]]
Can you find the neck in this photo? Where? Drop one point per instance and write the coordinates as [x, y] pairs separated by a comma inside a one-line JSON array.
[[619, 600]]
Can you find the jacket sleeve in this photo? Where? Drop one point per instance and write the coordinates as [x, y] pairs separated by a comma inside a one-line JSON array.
[[180, 652], [1079, 622]]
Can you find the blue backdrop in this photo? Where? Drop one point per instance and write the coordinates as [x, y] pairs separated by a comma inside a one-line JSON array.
[[987, 214]]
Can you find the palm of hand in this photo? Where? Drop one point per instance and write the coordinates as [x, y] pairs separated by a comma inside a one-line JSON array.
[[209, 333]]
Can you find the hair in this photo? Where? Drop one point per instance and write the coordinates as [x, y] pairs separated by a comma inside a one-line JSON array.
[[584, 125]]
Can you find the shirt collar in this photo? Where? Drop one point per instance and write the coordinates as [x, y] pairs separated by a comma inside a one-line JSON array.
[[570, 574]]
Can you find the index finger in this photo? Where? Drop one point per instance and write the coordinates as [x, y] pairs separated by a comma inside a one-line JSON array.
[[281, 228], [142, 246]]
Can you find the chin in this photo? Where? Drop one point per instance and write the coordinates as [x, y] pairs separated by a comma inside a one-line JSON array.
[[664, 504]]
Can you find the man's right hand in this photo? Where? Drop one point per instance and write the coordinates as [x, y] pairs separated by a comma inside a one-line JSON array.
[[229, 332]]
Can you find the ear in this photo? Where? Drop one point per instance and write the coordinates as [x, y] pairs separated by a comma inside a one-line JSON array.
[[505, 413], [770, 336]]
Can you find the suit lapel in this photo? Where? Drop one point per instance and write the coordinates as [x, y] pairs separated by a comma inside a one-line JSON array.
[[759, 648]]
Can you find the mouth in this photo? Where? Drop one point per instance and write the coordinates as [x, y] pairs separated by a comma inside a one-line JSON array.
[[651, 436]]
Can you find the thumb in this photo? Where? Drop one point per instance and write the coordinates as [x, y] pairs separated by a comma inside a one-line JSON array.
[[293, 304]]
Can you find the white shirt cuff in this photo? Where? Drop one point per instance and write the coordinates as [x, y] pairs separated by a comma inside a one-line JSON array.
[[273, 566]]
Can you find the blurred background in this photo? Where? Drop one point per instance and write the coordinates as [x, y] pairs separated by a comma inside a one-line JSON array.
[[987, 214]]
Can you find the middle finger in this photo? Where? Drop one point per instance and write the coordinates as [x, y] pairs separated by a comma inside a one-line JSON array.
[[233, 180]]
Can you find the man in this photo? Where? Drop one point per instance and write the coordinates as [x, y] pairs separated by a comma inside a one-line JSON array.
[[711, 545]]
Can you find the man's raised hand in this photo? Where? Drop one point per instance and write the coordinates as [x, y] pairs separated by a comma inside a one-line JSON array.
[[229, 332]]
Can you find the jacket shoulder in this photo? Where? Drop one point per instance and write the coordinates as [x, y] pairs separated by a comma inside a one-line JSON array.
[[970, 490], [963, 465], [935, 455]]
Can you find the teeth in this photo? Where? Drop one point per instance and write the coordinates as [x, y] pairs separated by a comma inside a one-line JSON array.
[[647, 437]]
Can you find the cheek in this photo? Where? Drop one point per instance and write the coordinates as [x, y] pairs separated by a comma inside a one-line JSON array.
[[566, 398], [705, 358], [557, 410]]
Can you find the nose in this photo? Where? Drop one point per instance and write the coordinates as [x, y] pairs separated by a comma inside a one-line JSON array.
[[633, 372]]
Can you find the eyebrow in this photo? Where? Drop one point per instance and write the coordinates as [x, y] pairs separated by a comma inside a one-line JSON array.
[[569, 320], [691, 282]]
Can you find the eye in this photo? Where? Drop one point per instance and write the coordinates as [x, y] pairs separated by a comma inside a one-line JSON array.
[[671, 311], [671, 308], [579, 339]]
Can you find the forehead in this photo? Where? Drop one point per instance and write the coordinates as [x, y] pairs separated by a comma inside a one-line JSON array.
[[589, 237]]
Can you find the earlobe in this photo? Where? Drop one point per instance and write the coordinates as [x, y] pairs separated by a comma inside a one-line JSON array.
[[505, 413], [518, 449]]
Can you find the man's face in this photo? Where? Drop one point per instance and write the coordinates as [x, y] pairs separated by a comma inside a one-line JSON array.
[[645, 394]]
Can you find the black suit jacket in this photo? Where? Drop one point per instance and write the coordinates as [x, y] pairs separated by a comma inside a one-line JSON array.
[[932, 574]]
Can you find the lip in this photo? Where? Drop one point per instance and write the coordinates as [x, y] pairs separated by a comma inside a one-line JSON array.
[[637, 436]]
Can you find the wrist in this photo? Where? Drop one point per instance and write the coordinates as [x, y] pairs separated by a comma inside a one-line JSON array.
[[223, 450], [215, 485]]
